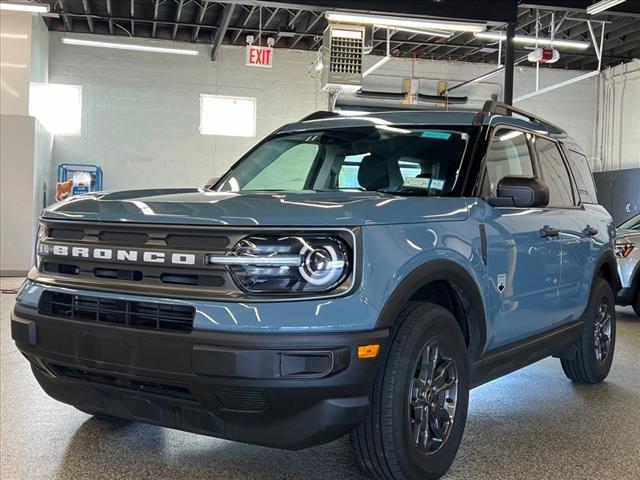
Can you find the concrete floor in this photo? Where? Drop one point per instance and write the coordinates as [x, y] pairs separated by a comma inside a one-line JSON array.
[[532, 424]]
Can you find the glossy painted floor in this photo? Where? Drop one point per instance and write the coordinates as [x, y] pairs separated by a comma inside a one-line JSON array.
[[533, 424]]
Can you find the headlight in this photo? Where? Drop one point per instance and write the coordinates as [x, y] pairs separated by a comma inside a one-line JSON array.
[[288, 264], [624, 249], [41, 233]]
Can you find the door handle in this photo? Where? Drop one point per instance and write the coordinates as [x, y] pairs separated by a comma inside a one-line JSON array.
[[548, 231], [590, 231]]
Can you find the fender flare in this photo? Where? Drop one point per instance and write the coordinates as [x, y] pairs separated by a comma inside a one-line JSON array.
[[453, 273]]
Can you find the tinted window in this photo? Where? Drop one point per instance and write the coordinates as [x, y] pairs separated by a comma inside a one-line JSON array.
[[508, 155], [288, 171], [554, 173], [582, 175], [381, 158]]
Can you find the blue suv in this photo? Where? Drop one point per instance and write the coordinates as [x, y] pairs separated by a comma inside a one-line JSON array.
[[350, 274]]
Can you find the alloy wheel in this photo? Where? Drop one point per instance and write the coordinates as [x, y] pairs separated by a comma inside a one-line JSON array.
[[433, 398], [602, 330]]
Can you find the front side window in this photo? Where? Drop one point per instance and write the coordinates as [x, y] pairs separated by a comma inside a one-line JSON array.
[[392, 160], [508, 155], [554, 173]]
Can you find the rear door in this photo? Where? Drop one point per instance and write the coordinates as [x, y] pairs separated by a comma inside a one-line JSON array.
[[584, 225], [523, 267]]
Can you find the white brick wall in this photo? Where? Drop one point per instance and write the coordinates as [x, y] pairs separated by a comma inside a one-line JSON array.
[[141, 110]]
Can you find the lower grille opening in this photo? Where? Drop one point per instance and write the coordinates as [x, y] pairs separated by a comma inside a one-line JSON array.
[[241, 399], [111, 380], [62, 268], [158, 316], [133, 275]]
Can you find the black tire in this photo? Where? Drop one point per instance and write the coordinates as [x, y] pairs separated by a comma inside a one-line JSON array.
[[636, 302], [586, 367], [385, 443]]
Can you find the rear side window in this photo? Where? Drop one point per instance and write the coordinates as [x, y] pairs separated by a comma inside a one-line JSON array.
[[582, 175], [554, 173]]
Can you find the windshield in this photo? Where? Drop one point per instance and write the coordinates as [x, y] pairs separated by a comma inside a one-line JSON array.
[[418, 161], [632, 224]]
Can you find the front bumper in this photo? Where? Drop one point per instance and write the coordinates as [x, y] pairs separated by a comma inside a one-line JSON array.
[[286, 391]]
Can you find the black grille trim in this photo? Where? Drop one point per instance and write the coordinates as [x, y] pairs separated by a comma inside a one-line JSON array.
[[110, 380], [147, 315], [250, 400]]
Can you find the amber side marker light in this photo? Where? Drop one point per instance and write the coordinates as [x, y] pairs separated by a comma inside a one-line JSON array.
[[368, 351]]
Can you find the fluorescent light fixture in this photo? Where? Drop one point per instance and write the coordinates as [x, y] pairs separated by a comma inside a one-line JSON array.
[[25, 7], [432, 33], [509, 136], [602, 6], [127, 46], [403, 22], [58, 107], [227, 116], [527, 40]]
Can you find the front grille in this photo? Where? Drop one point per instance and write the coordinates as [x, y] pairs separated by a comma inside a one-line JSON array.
[[111, 380], [195, 280], [147, 315]]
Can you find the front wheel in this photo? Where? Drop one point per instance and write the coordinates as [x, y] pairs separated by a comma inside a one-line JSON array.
[[419, 400], [594, 354], [636, 302]]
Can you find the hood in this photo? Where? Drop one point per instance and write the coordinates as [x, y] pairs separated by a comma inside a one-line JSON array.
[[204, 207]]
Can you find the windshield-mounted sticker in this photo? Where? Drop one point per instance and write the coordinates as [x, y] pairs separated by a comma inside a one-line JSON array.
[[437, 184], [436, 134], [416, 182]]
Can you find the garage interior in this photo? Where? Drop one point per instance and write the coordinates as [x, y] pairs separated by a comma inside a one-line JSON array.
[[135, 90]]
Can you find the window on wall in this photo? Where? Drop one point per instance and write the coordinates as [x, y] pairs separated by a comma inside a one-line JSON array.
[[57, 107], [227, 116]]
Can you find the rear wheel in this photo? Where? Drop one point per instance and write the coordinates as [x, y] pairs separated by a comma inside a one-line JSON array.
[[419, 400], [636, 302], [594, 355]]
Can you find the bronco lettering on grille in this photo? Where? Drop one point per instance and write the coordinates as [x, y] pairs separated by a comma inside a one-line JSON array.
[[118, 255]]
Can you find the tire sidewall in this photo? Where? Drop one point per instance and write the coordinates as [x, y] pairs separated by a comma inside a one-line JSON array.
[[439, 326], [599, 369]]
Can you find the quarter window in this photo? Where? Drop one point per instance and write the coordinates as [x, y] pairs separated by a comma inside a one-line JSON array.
[[582, 174], [554, 173]]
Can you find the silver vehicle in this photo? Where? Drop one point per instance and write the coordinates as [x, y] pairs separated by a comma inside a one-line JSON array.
[[628, 253]]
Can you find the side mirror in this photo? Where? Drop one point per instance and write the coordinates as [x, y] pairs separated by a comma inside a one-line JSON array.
[[521, 192], [211, 183]]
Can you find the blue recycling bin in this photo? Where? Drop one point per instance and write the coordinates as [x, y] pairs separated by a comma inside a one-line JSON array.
[[66, 173]]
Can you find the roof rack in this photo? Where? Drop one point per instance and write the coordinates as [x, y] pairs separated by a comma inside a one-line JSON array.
[[493, 107], [319, 115]]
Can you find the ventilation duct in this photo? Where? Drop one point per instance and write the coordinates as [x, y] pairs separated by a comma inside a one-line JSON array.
[[343, 49]]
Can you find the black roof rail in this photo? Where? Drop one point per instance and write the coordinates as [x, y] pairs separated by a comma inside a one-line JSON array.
[[320, 115], [493, 107]]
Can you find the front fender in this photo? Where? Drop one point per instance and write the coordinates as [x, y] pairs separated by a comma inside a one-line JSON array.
[[418, 255]]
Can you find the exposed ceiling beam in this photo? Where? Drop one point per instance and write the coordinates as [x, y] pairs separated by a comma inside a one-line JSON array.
[[85, 5], [201, 12], [110, 12], [68, 23], [156, 5], [178, 15], [222, 30], [133, 14], [237, 34], [310, 26]]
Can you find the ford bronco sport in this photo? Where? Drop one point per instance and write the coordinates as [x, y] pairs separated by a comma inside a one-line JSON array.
[[349, 274]]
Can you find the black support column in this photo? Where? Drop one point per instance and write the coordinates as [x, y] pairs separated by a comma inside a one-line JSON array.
[[509, 65]]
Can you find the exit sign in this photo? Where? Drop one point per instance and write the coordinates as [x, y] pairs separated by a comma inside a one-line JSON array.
[[259, 56]]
